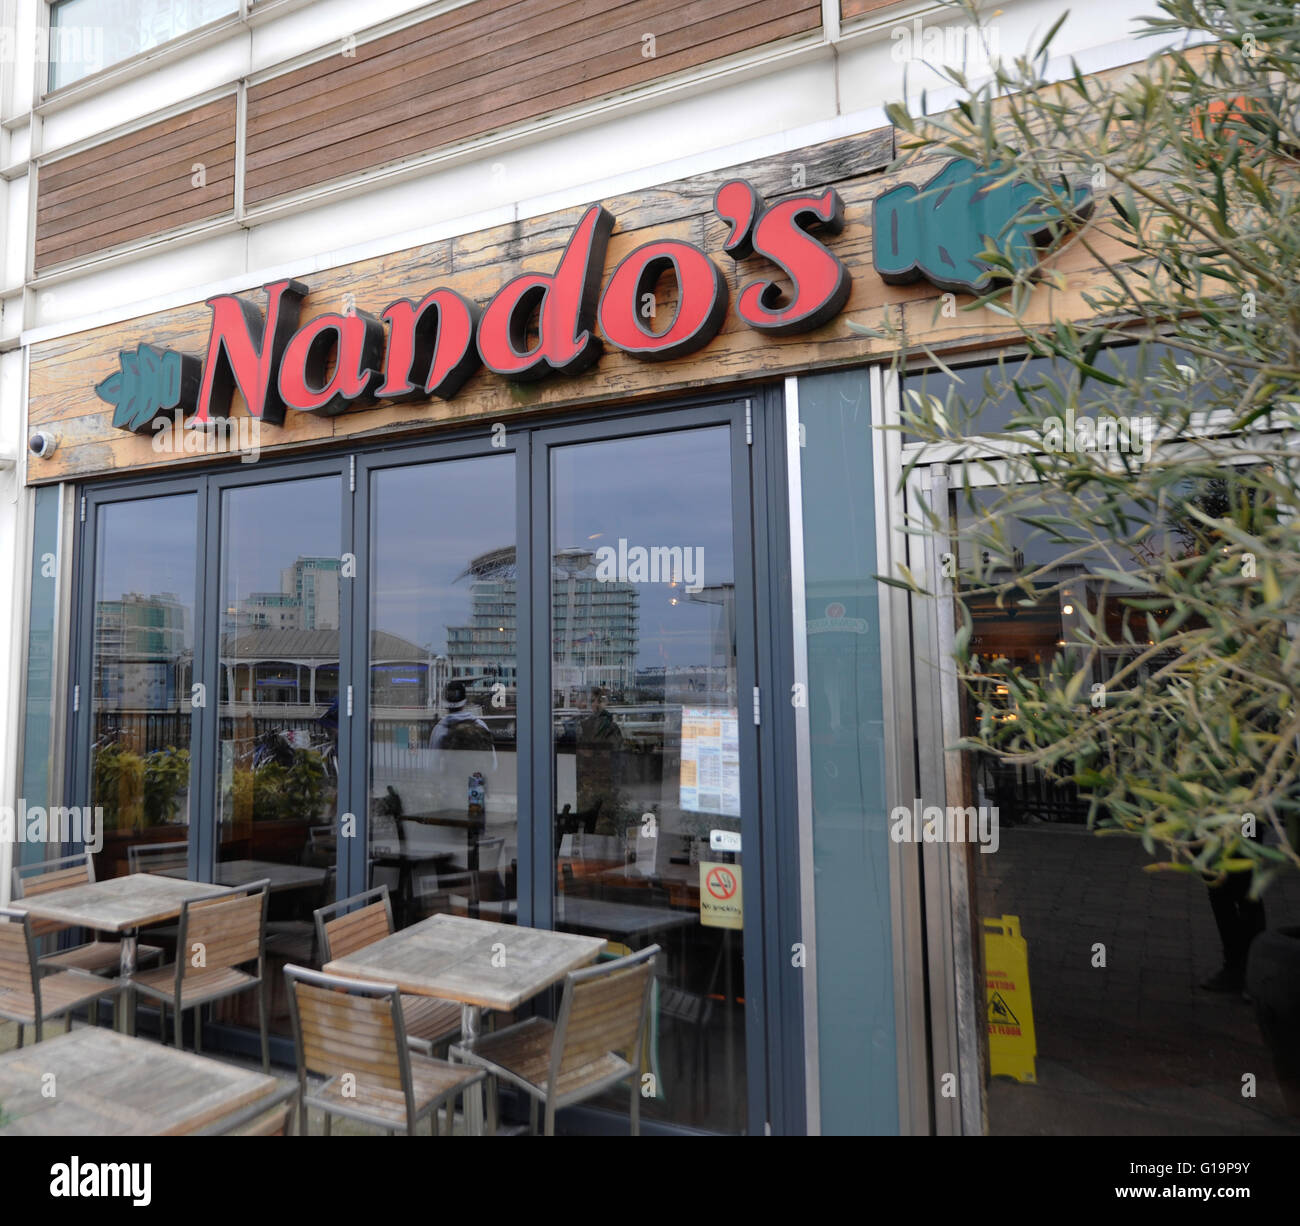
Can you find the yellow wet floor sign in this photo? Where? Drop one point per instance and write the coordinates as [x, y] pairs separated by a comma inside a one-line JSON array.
[[1012, 1047]]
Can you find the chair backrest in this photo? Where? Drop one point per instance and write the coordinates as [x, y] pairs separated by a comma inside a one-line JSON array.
[[17, 954], [227, 930], [348, 1026], [603, 1010], [58, 874], [350, 924], [155, 857]]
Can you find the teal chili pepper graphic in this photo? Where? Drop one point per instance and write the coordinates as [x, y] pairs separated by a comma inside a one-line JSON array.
[[937, 231], [149, 382]]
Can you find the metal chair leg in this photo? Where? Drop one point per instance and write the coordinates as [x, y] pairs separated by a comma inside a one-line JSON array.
[[40, 1027], [636, 1107], [21, 1028], [325, 1128], [266, 1040], [532, 1116], [180, 1013], [492, 1087]]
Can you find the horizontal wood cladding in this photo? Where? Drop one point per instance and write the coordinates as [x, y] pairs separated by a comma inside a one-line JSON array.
[[857, 8], [137, 185], [481, 67]]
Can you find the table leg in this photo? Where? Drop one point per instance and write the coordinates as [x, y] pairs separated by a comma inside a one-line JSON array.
[[126, 998], [471, 1025]]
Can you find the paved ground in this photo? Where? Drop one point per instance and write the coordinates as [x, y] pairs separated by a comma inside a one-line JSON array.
[[1136, 1048]]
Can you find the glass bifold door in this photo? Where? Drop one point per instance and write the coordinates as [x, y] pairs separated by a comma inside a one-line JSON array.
[[512, 682]]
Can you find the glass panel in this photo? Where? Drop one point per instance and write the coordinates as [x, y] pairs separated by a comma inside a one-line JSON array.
[[855, 987], [38, 702], [277, 753], [976, 412], [143, 656], [1152, 1041], [89, 35], [646, 748], [444, 808]]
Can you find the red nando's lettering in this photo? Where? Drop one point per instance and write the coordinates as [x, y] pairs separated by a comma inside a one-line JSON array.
[[431, 348]]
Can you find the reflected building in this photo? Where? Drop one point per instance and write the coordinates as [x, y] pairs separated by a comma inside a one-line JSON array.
[[142, 652], [594, 626], [308, 599]]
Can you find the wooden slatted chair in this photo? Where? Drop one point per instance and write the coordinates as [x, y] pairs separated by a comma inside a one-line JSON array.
[[353, 1034], [96, 956], [346, 926], [29, 997], [594, 1044], [216, 937]]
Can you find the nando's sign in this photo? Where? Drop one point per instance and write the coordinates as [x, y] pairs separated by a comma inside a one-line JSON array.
[[417, 349]]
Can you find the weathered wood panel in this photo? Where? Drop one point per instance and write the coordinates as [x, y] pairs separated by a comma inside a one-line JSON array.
[[65, 371], [482, 67], [137, 185]]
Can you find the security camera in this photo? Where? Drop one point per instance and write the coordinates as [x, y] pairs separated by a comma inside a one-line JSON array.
[[42, 444]]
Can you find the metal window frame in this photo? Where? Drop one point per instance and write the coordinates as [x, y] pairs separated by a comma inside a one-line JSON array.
[[369, 465], [774, 1000]]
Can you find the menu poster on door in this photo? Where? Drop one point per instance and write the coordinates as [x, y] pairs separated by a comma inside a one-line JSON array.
[[710, 773]]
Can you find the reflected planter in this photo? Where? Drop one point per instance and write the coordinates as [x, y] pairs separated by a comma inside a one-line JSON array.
[[1273, 979]]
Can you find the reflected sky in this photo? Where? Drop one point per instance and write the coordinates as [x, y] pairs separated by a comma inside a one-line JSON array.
[[428, 522], [656, 490], [265, 528], [147, 547]]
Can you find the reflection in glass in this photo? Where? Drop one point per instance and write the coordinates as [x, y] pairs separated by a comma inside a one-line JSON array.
[[143, 656], [1134, 1043], [278, 716], [646, 744], [444, 693]]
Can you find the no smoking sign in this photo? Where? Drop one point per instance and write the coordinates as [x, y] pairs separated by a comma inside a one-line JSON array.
[[720, 899]]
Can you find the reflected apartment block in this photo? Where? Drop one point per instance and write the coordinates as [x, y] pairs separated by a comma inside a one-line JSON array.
[[594, 626], [142, 651]]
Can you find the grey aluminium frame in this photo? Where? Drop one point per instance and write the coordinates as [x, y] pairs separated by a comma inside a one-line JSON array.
[[517, 443], [774, 1030], [80, 678]]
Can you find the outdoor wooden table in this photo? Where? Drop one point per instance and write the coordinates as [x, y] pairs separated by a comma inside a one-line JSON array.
[[481, 964], [122, 905], [112, 1085]]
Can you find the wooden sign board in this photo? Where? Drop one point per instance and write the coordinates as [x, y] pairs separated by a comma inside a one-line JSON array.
[[65, 371]]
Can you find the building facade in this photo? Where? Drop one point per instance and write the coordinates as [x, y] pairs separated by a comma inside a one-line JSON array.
[[465, 390]]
